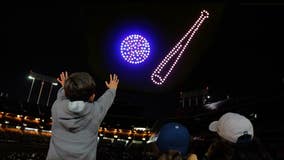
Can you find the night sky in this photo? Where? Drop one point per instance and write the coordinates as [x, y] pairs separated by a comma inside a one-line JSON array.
[[237, 51]]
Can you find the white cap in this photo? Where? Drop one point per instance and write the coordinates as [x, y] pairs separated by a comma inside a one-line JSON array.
[[231, 126]]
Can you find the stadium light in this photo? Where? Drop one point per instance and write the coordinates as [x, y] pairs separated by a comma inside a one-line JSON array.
[[31, 77], [44, 80], [31, 88], [140, 128]]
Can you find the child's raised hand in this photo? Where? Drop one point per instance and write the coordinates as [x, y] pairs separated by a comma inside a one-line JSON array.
[[63, 77], [113, 81]]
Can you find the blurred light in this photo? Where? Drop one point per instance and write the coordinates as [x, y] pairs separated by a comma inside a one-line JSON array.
[[137, 142], [208, 97], [159, 75], [196, 138], [18, 127], [254, 115], [115, 136], [46, 131], [7, 122], [55, 84], [153, 138], [140, 128], [135, 49], [24, 124], [143, 139], [101, 135], [31, 129], [214, 105], [129, 137], [31, 77], [37, 119]]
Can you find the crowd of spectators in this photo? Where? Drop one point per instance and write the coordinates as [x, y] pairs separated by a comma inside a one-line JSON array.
[[32, 145]]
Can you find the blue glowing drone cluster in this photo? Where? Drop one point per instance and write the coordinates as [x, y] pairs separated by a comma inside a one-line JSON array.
[[135, 49]]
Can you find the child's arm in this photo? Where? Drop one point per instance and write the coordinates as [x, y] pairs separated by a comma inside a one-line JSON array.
[[61, 94], [106, 100], [63, 77]]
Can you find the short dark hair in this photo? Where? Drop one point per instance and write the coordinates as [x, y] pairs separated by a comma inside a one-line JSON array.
[[171, 155], [220, 149], [79, 86]]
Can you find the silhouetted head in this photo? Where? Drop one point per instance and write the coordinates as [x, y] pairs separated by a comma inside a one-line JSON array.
[[173, 136], [79, 86]]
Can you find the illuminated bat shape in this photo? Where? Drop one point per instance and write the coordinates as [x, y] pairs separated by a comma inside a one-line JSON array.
[[168, 63]]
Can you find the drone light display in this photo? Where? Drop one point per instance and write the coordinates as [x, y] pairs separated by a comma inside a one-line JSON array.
[[165, 67], [135, 49]]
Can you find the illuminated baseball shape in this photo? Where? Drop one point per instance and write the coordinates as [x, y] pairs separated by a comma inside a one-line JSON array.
[[135, 49]]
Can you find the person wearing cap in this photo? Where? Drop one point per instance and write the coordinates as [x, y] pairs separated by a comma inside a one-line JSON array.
[[173, 142], [236, 140], [232, 126]]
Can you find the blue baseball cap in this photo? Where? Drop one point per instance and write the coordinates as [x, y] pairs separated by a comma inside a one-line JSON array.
[[173, 136]]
